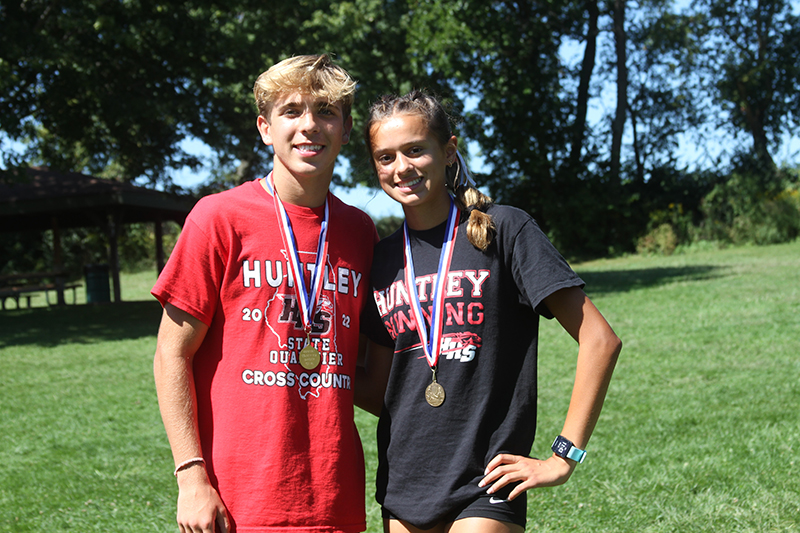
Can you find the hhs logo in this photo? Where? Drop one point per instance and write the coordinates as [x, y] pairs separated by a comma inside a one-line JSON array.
[[461, 346], [290, 312]]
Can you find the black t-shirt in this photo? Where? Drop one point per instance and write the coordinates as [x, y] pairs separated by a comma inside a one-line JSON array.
[[431, 458]]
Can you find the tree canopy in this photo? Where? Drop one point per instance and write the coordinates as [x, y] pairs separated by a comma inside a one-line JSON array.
[[577, 108]]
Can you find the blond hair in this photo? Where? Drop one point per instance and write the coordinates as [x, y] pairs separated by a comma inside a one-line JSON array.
[[472, 202], [316, 75]]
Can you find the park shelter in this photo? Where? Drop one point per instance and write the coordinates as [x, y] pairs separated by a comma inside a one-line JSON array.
[[41, 199]]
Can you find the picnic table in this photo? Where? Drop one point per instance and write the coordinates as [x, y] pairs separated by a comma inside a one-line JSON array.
[[26, 285]]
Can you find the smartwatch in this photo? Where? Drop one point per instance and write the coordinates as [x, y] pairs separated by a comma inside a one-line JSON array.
[[563, 447]]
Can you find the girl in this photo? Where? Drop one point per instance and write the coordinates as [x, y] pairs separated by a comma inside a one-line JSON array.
[[459, 290]]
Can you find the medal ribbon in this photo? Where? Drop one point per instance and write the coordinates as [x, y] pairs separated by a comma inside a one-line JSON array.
[[431, 339], [306, 299]]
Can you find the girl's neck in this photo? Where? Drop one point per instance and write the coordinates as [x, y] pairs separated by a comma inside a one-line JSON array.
[[426, 216]]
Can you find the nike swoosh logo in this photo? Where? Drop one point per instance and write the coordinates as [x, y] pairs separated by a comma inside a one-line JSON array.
[[497, 500]]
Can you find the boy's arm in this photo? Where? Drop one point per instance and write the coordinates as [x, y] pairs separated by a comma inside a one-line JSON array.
[[372, 374], [179, 336], [598, 349]]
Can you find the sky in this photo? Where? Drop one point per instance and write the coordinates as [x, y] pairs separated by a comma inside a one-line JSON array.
[[375, 202]]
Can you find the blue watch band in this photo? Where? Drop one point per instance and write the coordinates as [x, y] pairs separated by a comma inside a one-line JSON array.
[[576, 454], [563, 447]]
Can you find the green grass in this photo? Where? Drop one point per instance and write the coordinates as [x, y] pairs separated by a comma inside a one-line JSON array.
[[699, 432], [701, 425]]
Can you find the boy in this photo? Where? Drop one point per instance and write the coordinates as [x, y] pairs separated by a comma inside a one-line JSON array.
[[259, 336]]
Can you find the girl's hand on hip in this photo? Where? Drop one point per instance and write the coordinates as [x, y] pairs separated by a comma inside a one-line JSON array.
[[528, 472]]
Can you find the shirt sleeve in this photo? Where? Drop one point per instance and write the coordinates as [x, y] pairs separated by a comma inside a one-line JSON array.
[[191, 279], [539, 269]]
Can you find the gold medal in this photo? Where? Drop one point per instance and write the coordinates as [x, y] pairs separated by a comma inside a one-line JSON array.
[[434, 393], [309, 357]]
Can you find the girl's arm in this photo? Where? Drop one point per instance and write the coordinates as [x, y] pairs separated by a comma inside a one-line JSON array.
[[372, 374], [598, 348]]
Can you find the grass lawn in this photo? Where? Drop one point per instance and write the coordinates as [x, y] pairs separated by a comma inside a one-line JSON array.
[[699, 432]]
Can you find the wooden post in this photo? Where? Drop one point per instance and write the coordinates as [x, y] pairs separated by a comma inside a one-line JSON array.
[[57, 262], [159, 245], [114, 221]]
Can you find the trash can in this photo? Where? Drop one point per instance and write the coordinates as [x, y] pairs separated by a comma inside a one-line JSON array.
[[98, 289]]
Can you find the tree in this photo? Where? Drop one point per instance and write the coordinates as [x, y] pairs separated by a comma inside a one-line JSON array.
[[620, 117], [504, 57], [587, 68], [115, 87], [753, 46], [91, 84], [663, 85]]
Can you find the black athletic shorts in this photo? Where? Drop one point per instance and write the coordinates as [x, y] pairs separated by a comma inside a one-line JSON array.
[[494, 506]]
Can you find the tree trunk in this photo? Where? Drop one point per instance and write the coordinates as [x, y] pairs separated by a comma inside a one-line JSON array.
[[618, 126], [587, 67], [637, 149], [754, 108], [754, 118]]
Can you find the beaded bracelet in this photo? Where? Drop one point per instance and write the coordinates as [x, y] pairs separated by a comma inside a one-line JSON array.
[[188, 462]]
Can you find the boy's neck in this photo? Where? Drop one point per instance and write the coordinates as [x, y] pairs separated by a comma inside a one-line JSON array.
[[304, 192]]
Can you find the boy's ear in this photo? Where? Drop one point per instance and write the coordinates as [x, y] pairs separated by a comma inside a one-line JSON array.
[[263, 130], [348, 128]]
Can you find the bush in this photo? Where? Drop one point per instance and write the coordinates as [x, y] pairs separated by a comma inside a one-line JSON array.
[[767, 221], [753, 207], [387, 225], [137, 245], [33, 250], [770, 222], [662, 240]]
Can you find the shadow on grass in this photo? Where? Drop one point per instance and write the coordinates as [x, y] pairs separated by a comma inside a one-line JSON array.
[[52, 326], [611, 281]]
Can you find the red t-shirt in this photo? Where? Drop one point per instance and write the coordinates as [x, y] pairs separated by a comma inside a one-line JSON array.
[[280, 441]]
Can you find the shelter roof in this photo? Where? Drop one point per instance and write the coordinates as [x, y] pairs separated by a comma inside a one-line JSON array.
[[30, 199]]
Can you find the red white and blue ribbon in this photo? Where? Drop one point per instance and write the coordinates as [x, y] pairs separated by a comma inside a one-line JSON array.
[[307, 300], [431, 338]]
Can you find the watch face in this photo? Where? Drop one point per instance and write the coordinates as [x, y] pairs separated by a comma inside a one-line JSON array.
[[561, 446]]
